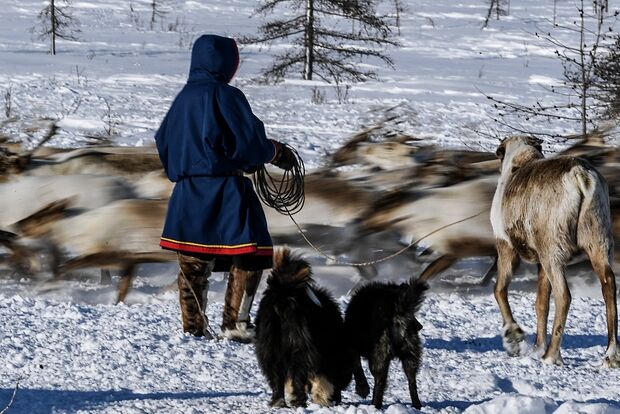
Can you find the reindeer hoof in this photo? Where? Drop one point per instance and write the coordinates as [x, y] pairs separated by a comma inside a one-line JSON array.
[[611, 361], [553, 360], [538, 351], [513, 339]]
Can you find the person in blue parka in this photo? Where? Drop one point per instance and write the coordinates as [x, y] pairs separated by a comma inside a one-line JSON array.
[[207, 140]]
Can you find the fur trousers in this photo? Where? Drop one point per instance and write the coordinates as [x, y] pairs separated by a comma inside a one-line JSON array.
[[193, 282]]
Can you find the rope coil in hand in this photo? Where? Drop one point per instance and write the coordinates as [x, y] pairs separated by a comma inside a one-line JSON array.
[[285, 195]]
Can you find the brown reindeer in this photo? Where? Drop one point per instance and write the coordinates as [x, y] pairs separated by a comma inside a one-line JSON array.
[[545, 211]]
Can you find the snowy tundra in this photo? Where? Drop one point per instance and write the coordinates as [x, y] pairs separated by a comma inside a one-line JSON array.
[[72, 351]]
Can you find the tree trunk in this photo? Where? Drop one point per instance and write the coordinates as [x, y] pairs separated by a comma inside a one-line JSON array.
[[53, 25], [489, 14], [309, 40], [153, 12], [584, 81], [397, 4]]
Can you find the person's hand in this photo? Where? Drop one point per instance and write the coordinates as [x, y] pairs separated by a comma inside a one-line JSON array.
[[284, 157]]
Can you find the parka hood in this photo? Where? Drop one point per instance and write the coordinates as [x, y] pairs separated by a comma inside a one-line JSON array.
[[216, 56]]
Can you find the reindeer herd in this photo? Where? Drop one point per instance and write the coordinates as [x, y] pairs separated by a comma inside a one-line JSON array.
[[103, 207]]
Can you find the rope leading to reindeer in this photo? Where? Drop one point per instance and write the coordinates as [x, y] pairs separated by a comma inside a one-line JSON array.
[[287, 197], [390, 256]]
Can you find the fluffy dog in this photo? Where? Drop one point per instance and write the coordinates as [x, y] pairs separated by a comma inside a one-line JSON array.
[[300, 337], [381, 324]]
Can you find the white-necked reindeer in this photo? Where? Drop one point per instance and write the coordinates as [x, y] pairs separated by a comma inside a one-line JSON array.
[[546, 210]]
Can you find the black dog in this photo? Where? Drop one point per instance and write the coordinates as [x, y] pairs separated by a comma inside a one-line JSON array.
[[300, 337], [381, 323]]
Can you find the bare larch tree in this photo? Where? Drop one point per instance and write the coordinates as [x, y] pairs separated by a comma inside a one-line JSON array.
[[158, 10], [580, 88], [57, 22], [399, 9], [498, 8], [320, 43], [608, 76]]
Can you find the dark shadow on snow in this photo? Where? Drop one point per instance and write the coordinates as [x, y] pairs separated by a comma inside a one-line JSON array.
[[570, 341], [38, 401]]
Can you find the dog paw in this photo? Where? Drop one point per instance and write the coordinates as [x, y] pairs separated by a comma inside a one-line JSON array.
[[513, 339], [298, 403], [362, 389], [378, 403], [278, 403]]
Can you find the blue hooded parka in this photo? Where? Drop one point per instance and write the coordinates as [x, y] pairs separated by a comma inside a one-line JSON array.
[[208, 137]]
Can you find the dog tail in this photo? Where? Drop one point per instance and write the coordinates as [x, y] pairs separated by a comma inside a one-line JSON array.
[[411, 299], [289, 270]]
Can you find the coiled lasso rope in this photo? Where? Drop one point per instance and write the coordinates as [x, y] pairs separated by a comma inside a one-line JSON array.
[[286, 196]]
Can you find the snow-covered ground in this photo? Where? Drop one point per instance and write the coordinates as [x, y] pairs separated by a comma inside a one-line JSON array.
[[72, 351]]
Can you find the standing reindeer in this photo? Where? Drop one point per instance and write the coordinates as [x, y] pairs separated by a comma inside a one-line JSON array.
[[546, 210]]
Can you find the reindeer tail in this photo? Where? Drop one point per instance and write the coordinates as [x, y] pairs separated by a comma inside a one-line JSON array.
[[595, 220]]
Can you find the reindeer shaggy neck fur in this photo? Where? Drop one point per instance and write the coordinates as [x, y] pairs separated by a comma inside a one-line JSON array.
[[545, 211]]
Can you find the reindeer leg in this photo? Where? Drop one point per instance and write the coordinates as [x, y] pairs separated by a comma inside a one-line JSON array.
[[562, 299], [439, 265], [608, 285], [367, 272], [486, 279], [543, 292], [507, 260], [58, 270], [106, 278], [127, 275]]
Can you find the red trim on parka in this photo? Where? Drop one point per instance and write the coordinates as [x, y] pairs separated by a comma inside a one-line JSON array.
[[219, 250]]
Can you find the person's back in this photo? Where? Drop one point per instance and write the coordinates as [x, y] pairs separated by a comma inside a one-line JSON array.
[[208, 138]]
